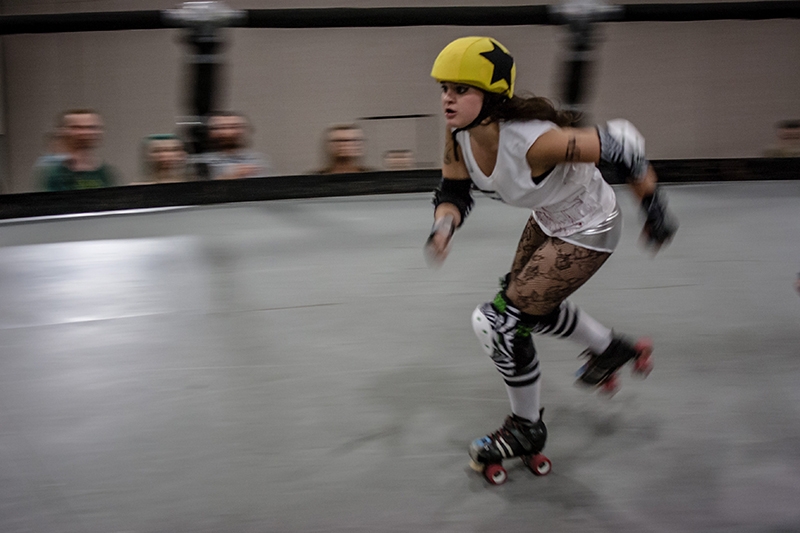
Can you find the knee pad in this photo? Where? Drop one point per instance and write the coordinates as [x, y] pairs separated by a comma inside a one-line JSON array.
[[505, 338], [482, 326]]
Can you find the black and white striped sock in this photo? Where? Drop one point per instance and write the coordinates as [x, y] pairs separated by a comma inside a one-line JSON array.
[[570, 322]]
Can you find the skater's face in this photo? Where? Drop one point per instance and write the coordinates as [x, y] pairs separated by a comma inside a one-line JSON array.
[[461, 104]]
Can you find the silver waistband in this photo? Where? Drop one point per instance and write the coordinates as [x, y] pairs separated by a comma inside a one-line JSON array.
[[603, 237]]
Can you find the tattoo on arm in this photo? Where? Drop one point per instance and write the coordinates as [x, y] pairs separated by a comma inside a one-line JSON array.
[[573, 152]]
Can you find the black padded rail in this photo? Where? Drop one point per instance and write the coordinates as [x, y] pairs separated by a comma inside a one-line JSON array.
[[402, 16], [711, 11], [80, 22], [30, 205], [399, 16], [39, 204]]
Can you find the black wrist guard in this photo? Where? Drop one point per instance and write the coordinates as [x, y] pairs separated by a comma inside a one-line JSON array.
[[456, 192], [660, 225]]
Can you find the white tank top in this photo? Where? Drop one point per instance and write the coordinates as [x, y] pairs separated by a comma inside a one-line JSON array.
[[572, 198]]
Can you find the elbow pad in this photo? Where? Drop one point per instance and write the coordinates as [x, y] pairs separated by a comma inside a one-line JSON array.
[[456, 192], [622, 147]]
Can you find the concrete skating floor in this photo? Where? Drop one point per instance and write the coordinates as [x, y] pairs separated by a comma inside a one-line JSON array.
[[294, 366]]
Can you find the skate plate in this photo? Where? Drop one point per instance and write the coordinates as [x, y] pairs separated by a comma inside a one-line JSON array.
[[496, 474]]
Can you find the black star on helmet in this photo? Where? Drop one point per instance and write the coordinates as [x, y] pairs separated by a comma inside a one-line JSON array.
[[502, 64]]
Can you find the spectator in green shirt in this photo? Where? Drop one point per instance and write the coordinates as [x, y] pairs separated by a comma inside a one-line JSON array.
[[82, 168]]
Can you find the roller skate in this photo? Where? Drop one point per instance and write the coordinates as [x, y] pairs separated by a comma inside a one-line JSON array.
[[601, 370], [517, 437]]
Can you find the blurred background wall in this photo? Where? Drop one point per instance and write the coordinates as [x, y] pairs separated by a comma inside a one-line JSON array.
[[695, 90]]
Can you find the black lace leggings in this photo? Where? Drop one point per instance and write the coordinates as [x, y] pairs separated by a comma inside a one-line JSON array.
[[547, 270]]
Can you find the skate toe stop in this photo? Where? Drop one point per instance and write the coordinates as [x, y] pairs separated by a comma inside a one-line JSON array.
[[476, 466]]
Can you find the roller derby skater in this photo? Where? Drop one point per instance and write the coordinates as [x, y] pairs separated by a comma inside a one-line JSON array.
[[522, 151]]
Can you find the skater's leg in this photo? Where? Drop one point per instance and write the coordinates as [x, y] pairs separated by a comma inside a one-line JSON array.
[[507, 339], [551, 274], [514, 355], [539, 284], [521, 370], [570, 322], [525, 401], [542, 279]]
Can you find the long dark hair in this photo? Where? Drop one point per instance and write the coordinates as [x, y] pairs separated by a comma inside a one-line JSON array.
[[527, 107], [499, 108]]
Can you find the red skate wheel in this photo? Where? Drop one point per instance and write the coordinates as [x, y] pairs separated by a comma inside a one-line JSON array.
[[643, 347], [495, 474], [642, 366], [539, 464], [610, 386]]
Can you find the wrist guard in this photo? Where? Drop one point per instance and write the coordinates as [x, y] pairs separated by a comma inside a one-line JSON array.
[[622, 149], [456, 192], [660, 225]]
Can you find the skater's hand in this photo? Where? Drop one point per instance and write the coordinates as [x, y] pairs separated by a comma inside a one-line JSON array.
[[660, 225], [438, 245]]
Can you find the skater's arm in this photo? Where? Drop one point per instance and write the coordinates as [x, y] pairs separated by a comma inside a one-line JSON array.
[[567, 145], [616, 145], [645, 186], [660, 224], [452, 199], [453, 196]]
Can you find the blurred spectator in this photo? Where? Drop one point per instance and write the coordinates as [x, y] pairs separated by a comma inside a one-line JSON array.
[[344, 149], [398, 160], [163, 159], [80, 167], [229, 156], [787, 143]]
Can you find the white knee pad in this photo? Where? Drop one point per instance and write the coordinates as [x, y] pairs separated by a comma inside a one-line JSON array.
[[483, 330]]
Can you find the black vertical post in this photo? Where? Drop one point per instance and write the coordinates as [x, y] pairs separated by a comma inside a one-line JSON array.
[[204, 22], [580, 17], [205, 62], [578, 66]]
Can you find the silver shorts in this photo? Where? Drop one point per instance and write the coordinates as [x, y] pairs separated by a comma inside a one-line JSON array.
[[603, 237]]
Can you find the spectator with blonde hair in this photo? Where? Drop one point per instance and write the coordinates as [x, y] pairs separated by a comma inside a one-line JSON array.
[[163, 159]]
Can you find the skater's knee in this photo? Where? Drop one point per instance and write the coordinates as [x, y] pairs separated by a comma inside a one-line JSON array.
[[504, 336]]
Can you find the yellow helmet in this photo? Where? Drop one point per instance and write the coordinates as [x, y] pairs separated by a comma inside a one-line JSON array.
[[478, 61]]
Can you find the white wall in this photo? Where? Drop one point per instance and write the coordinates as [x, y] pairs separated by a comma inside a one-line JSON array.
[[710, 89]]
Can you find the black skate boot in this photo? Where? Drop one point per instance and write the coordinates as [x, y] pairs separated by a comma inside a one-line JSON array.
[[517, 437], [601, 370]]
